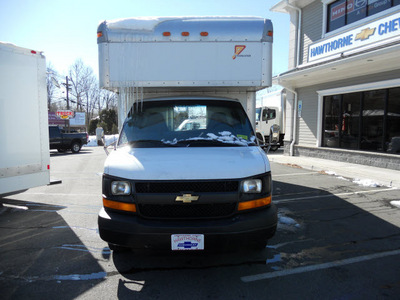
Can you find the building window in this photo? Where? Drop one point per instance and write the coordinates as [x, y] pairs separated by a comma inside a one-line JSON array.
[[344, 12], [367, 121]]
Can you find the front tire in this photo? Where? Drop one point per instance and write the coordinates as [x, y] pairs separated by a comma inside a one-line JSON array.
[[75, 147], [260, 139], [274, 148]]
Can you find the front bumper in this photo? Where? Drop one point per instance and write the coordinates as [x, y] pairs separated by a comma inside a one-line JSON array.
[[253, 227]]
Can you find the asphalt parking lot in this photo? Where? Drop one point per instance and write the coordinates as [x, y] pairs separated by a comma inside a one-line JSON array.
[[336, 240]]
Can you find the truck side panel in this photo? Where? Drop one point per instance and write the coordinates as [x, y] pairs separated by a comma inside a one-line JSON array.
[[183, 64], [186, 52], [25, 157]]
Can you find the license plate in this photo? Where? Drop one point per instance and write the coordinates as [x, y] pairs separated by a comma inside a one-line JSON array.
[[187, 242]]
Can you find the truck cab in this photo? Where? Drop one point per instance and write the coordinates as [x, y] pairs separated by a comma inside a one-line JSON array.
[[270, 120], [268, 129], [212, 183]]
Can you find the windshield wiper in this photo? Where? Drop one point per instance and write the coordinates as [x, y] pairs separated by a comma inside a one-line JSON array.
[[149, 143], [206, 143]]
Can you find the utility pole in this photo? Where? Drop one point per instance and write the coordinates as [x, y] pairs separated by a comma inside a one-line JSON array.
[[67, 88]]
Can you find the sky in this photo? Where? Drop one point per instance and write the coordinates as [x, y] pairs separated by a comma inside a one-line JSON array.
[[66, 30]]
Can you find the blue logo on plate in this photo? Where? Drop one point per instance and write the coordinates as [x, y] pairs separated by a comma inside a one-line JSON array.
[[187, 245]]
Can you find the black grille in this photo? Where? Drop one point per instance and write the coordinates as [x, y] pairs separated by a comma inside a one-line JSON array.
[[187, 211], [187, 186]]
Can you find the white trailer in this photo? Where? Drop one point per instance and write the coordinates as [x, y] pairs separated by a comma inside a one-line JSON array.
[[270, 119], [25, 156], [187, 151]]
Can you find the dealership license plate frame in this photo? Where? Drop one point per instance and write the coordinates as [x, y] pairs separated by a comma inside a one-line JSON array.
[[187, 242]]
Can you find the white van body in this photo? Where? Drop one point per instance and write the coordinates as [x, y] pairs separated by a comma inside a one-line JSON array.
[[266, 127], [25, 156], [172, 184]]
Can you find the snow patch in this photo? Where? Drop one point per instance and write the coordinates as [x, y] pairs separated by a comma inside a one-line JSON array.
[[395, 203], [109, 140], [366, 182], [224, 137], [330, 173], [139, 23], [150, 23], [287, 223]]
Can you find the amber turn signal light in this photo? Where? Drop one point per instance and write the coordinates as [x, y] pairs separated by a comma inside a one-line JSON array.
[[254, 203], [131, 207]]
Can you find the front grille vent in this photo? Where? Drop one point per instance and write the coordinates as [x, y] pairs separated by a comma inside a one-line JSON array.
[[187, 186], [187, 211]]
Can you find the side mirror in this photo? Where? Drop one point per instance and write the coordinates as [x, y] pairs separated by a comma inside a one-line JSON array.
[[114, 144]]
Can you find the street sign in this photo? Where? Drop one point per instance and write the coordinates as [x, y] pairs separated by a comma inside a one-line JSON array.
[[65, 114]]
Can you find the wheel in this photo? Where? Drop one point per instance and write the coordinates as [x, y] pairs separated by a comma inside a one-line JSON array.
[[274, 148], [75, 147], [260, 138]]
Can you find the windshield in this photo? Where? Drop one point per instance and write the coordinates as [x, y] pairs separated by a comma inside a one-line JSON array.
[[258, 114], [187, 123]]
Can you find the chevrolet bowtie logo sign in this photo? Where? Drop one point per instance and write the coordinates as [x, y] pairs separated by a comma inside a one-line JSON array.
[[365, 34], [187, 198]]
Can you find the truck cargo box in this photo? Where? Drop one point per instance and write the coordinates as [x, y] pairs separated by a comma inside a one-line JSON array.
[[186, 52], [25, 156]]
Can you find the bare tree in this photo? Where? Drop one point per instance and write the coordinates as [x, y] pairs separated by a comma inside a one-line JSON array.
[[109, 99], [92, 96], [80, 77], [51, 83], [84, 91]]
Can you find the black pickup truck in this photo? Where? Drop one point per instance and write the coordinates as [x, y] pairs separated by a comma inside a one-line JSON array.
[[64, 141]]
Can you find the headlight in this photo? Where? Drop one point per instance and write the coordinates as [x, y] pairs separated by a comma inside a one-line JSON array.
[[252, 186], [120, 188], [275, 128]]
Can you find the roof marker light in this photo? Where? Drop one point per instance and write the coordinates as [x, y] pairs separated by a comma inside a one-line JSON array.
[[166, 33], [99, 34], [185, 33], [33, 52], [204, 33], [270, 33]]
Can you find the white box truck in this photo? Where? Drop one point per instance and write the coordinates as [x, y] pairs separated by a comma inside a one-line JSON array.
[[270, 120], [25, 155], [187, 172]]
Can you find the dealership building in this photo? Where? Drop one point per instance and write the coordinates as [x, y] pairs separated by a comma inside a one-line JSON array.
[[343, 80]]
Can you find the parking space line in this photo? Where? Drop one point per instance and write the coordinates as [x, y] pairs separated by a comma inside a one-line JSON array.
[[294, 174], [334, 195], [60, 194], [311, 268]]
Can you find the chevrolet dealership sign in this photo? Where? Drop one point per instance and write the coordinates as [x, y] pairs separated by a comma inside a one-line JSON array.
[[366, 35]]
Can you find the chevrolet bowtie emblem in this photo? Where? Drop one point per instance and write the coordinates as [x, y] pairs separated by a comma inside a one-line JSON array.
[[365, 34], [187, 198]]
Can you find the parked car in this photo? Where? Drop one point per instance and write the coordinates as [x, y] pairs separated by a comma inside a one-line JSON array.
[[66, 141]]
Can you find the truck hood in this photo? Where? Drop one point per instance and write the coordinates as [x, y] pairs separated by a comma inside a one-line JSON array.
[[186, 163]]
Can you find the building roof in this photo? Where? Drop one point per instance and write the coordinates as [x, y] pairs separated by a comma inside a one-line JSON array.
[[371, 61], [285, 6]]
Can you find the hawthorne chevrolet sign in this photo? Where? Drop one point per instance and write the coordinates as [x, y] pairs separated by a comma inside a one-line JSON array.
[[366, 35]]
